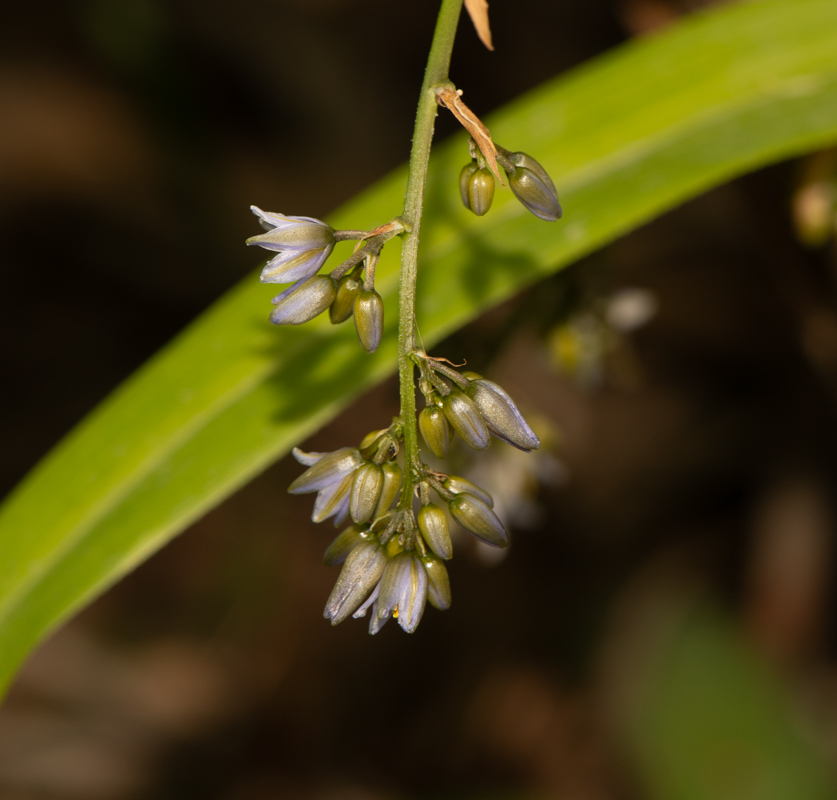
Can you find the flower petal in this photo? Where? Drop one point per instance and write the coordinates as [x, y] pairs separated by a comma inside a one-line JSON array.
[[330, 499], [328, 470], [308, 459], [361, 612], [270, 220], [293, 265], [299, 236]]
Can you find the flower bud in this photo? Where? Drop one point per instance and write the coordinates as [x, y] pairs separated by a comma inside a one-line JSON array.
[[370, 437], [433, 525], [362, 570], [501, 415], [391, 487], [344, 543], [403, 590], [304, 301], [533, 187], [344, 301], [434, 430], [480, 191], [461, 412], [457, 485], [438, 583], [475, 516], [464, 179], [369, 319], [366, 490]]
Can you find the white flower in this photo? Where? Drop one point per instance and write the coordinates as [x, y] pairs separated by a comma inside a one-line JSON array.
[[303, 245]]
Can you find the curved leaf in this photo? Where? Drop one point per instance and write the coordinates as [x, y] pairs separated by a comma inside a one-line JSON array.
[[625, 138]]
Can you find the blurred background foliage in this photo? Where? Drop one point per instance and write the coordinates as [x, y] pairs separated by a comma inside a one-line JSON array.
[[663, 626]]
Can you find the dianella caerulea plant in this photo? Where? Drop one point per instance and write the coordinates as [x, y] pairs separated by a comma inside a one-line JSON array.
[[397, 540]]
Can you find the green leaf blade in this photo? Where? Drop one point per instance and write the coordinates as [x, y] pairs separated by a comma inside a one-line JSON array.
[[625, 138]]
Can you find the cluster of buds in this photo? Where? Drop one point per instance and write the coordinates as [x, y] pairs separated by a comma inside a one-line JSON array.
[[393, 557], [303, 244], [528, 180]]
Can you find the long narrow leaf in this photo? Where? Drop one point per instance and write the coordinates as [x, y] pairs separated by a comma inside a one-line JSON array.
[[625, 138]]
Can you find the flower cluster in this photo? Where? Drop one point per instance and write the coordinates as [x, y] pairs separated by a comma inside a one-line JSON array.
[[393, 558], [302, 245], [528, 180], [394, 548]]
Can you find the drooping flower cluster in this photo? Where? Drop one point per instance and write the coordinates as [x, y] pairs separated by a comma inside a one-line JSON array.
[[392, 553], [393, 557]]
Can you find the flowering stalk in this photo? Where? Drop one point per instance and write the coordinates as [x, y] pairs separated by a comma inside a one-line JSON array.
[[393, 558]]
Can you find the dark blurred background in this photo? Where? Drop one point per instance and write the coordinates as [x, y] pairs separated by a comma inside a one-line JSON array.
[[663, 625]]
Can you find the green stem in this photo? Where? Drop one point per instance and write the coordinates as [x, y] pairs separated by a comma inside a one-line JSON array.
[[438, 64]]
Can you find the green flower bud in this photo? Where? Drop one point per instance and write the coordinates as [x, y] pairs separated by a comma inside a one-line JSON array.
[[501, 415], [370, 437], [391, 487], [362, 570], [461, 412], [458, 485], [434, 430], [438, 583], [464, 179], [344, 543], [480, 191], [475, 516], [344, 302], [366, 491], [369, 319], [304, 300], [433, 525], [533, 187]]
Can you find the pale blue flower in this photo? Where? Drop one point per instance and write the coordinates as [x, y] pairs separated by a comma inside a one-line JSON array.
[[303, 244]]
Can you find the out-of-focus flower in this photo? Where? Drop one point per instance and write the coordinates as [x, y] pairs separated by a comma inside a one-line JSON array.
[[330, 476], [303, 245]]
